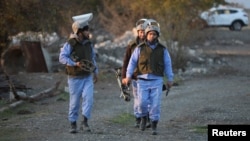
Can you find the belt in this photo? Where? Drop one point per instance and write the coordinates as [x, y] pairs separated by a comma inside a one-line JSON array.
[[145, 79]]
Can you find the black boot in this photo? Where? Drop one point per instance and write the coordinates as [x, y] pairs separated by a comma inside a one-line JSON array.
[[148, 122], [143, 123], [84, 125], [73, 127], [154, 126], [137, 122]]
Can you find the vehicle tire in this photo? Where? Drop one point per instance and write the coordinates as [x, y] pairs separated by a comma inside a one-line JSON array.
[[236, 26]]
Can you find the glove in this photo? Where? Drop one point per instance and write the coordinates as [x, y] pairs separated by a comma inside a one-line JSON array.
[[165, 88]]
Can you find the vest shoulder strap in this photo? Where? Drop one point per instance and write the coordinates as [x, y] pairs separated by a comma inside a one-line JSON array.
[[72, 42], [141, 44]]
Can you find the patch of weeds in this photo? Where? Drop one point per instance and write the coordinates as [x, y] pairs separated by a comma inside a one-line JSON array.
[[123, 118], [3, 102], [64, 96], [102, 76], [16, 110], [177, 81], [7, 114], [106, 75], [199, 129]]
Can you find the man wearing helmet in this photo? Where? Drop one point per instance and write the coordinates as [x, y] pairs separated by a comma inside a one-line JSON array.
[[76, 54], [152, 61], [140, 28]]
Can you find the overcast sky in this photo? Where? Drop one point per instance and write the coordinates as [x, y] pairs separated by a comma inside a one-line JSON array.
[[245, 3]]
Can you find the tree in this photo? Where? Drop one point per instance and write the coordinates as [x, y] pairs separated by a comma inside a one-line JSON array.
[[38, 16]]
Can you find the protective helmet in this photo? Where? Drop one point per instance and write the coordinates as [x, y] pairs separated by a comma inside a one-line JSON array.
[[141, 24], [152, 28], [152, 25], [81, 21], [140, 27], [152, 22]]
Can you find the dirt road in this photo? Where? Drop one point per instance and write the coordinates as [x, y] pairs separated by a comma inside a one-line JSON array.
[[186, 112]]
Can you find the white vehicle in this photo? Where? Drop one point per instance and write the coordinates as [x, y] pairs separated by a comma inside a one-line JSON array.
[[223, 16]]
